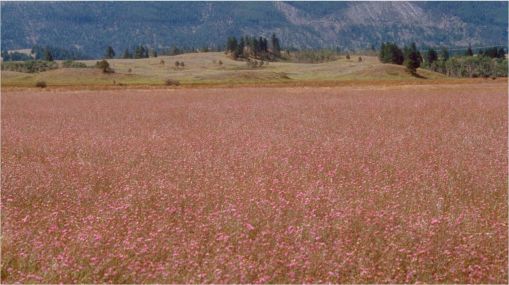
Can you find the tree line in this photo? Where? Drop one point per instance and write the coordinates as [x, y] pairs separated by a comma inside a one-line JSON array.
[[489, 62], [51, 53], [256, 47], [47, 53]]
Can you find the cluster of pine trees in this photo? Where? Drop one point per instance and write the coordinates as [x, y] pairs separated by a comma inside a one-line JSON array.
[[50, 53], [140, 51], [260, 48], [391, 53], [409, 56], [172, 51], [493, 52], [490, 62]]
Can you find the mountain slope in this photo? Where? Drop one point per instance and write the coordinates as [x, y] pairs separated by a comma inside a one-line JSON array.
[[91, 26]]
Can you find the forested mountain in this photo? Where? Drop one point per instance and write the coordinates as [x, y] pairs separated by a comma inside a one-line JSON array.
[[92, 26]]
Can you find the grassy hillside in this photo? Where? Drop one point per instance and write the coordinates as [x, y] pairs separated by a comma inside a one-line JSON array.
[[204, 68]]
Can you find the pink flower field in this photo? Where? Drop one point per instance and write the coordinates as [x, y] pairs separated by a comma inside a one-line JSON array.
[[394, 184]]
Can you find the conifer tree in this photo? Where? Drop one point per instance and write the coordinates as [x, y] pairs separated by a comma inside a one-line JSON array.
[[444, 54], [431, 56], [501, 53], [381, 53], [231, 44], [240, 47], [276, 49], [110, 53], [127, 54], [412, 59], [256, 46], [174, 50], [469, 51], [47, 54], [263, 44]]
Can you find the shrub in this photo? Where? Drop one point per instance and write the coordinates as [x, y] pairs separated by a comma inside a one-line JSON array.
[[283, 75], [479, 66], [30, 66], [251, 63], [104, 66], [501, 67], [41, 84], [73, 64], [171, 82]]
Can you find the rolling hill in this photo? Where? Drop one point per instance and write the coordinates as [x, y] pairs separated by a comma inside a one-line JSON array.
[[204, 69], [91, 26]]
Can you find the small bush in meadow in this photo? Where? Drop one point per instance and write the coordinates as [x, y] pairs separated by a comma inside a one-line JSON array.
[[41, 84], [30, 66], [104, 65], [171, 82], [73, 64]]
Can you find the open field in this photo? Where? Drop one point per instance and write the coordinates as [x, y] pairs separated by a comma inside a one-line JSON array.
[[358, 184], [204, 69]]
